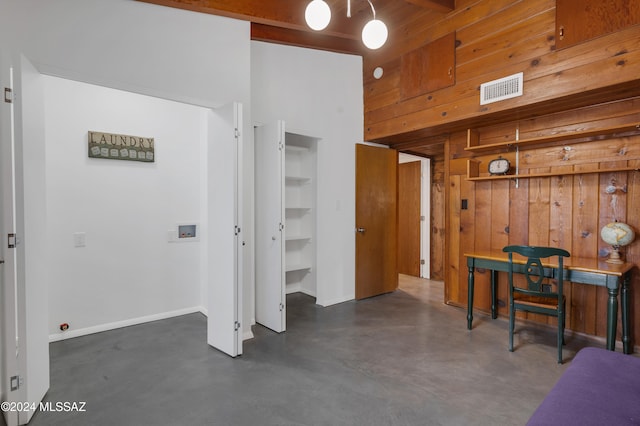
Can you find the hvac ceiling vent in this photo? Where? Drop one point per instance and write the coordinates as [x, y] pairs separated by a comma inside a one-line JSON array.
[[501, 89]]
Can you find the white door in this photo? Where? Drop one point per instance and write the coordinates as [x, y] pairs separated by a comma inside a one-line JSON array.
[[224, 248], [270, 233], [25, 346]]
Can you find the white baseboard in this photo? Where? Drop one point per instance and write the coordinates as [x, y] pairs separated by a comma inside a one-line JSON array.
[[329, 302], [119, 324]]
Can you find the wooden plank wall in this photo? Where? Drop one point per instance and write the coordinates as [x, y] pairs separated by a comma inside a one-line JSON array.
[[566, 211], [438, 183], [593, 84], [494, 39]]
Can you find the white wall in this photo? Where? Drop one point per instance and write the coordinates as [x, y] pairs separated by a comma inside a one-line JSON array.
[[155, 50], [128, 269], [209, 61], [319, 94], [148, 49]]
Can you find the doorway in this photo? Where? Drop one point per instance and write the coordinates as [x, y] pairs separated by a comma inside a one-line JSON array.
[[414, 220]]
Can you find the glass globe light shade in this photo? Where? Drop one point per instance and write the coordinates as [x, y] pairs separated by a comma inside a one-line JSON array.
[[374, 34], [317, 14]]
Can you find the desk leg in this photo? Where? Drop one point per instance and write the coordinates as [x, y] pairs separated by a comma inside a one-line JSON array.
[[624, 299], [494, 279], [612, 318], [470, 298]]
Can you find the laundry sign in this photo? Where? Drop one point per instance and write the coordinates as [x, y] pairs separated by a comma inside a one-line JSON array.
[[121, 147]]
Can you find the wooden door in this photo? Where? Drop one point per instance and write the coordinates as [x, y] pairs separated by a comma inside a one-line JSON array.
[[579, 21], [376, 221], [409, 223]]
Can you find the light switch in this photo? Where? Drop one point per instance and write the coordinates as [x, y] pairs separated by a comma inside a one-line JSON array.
[[79, 239]]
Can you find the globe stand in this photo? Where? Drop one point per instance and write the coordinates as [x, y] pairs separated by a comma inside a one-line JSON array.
[[614, 256]]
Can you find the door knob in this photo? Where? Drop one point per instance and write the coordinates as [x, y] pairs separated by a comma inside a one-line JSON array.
[[360, 230]]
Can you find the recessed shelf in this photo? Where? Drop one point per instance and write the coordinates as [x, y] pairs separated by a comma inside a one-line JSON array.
[[296, 148], [297, 180], [297, 267], [297, 237]]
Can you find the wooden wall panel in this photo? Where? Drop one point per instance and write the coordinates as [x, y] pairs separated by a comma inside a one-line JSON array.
[[585, 244], [456, 265], [632, 252], [437, 262], [586, 19], [566, 211], [428, 68], [495, 39]]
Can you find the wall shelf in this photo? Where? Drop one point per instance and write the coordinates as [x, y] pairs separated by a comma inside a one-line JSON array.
[[473, 173], [473, 137], [474, 145]]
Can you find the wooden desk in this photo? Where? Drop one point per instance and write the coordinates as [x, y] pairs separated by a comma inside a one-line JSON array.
[[578, 270]]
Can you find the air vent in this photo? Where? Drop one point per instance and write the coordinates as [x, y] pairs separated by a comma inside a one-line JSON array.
[[501, 89]]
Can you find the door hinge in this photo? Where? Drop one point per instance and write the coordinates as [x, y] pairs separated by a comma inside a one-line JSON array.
[[236, 326], [280, 226], [11, 241], [422, 262], [422, 218], [14, 383], [281, 307], [8, 95], [280, 146], [236, 132], [236, 230]]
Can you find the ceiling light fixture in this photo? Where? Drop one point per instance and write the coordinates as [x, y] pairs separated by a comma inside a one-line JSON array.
[[374, 34]]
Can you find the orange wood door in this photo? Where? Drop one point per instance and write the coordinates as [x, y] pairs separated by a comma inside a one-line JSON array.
[[579, 21], [376, 221], [409, 185]]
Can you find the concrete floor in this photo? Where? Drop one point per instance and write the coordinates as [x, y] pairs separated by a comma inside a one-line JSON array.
[[403, 358]]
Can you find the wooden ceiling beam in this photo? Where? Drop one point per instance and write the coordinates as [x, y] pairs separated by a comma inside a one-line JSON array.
[[289, 14], [268, 33], [437, 5]]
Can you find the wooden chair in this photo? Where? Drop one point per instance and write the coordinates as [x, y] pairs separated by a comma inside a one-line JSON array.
[[536, 296]]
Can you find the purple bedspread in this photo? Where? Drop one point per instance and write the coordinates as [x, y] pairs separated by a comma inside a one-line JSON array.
[[599, 387]]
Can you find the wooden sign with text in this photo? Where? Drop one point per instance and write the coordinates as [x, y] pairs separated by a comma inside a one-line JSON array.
[[121, 147]]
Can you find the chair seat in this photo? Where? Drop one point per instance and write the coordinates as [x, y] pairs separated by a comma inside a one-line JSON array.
[[537, 301]]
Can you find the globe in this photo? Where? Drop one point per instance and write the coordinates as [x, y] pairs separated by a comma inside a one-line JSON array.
[[617, 234]]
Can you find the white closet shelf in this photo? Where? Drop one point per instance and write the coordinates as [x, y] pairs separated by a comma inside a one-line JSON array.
[[294, 148], [298, 267], [297, 179], [297, 237]]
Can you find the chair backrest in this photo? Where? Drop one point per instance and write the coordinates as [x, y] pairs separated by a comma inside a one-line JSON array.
[[534, 271]]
